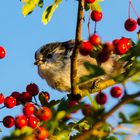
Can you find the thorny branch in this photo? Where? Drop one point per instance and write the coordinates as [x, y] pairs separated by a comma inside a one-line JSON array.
[[126, 99]]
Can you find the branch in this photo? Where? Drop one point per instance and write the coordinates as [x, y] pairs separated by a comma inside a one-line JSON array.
[[126, 99], [78, 38]]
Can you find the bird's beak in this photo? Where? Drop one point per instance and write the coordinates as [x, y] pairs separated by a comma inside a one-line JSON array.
[[37, 62]]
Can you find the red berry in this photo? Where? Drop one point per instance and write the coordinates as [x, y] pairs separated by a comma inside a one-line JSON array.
[[127, 42], [89, 1], [1, 98], [138, 21], [33, 121], [26, 97], [8, 121], [96, 15], [17, 96], [130, 24], [87, 110], [86, 48], [29, 109], [103, 56], [45, 95], [10, 102], [21, 121], [44, 114], [101, 98], [115, 42], [108, 48], [116, 91], [33, 89], [121, 47], [95, 40], [71, 104], [41, 133], [2, 52]]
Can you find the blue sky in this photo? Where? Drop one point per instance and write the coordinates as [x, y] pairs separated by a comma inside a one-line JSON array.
[[22, 36]]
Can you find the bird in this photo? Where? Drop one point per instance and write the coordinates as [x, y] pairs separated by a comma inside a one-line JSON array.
[[53, 61]]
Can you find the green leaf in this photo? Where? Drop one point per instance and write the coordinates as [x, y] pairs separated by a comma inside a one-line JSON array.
[[45, 103], [95, 6], [94, 72], [64, 135], [122, 117], [40, 3], [135, 116], [58, 1], [135, 102], [24, 0], [48, 13], [29, 7], [60, 115], [111, 138], [87, 6], [94, 69]]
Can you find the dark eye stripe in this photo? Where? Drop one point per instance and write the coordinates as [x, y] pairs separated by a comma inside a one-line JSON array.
[[49, 56]]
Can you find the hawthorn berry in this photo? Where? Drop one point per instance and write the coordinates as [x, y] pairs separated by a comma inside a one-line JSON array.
[[89, 1], [2, 52], [44, 114], [115, 42], [21, 121], [87, 110], [121, 47], [103, 56], [96, 15], [45, 95], [33, 89], [95, 40], [86, 48], [28, 109], [130, 24], [116, 92], [1, 98], [8, 121], [17, 96], [101, 98], [108, 48], [138, 21], [10, 102], [33, 121], [41, 133], [127, 42], [26, 97], [71, 104]]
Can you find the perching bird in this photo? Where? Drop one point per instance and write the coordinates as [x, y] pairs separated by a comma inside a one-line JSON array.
[[53, 61]]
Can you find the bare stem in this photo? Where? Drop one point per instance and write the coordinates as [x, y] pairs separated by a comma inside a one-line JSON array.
[[78, 38], [126, 99], [2, 107], [89, 24]]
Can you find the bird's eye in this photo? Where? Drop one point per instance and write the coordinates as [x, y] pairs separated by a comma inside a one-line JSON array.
[[49, 56]]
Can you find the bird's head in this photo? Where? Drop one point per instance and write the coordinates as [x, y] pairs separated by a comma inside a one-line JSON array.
[[53, 53]]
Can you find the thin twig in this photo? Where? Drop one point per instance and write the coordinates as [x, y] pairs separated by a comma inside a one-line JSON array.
[[89, 24], [2, 107], [126, 99]]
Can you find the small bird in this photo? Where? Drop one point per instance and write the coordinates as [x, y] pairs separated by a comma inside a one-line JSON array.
[[53, 62]]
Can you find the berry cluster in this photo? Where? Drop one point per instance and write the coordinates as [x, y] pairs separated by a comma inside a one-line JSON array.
[[33, 113], [94, 40], [118, 46]]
